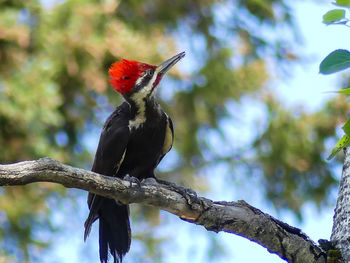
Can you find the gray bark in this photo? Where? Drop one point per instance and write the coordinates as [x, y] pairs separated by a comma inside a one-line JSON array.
[[239, 218], [341, 221]]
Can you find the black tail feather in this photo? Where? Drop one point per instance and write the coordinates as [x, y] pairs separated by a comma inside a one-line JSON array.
[[94, 202], [114, 230]]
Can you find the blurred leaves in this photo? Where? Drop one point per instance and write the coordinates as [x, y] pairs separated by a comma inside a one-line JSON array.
[[54, 97], [290, 152]]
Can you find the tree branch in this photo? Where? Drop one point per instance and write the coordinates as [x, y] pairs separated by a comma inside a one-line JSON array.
[[239, 218], [341, 220]]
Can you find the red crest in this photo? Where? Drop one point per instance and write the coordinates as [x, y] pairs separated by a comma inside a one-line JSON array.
[[123, 74]]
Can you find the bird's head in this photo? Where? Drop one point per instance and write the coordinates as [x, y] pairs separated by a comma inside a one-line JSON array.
[[129, 77]]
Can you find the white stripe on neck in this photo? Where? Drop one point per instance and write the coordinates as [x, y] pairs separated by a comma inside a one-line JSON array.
[[139, 99], [140, 116]]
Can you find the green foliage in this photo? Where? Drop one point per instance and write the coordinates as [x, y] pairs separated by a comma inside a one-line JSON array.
[[345, 3], [346, 127], [334, 256], [289, 154], [335, 61], [333, 16], [341, 144], [343, 91]]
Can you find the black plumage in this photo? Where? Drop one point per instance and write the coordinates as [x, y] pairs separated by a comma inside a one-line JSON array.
[[125, 150], [134, 139]]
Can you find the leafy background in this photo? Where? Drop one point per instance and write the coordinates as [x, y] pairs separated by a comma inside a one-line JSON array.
[[233, 133]]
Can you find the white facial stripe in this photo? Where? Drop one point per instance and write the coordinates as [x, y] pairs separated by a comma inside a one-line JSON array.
[[147, 89], [139, 80], [138, 98]]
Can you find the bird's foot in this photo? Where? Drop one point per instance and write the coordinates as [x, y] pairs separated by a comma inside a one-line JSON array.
[[149, 181], [168, 184], [187, 193], [132, 180]]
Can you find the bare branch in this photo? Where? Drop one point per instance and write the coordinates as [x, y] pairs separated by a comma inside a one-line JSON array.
[[239, 218]]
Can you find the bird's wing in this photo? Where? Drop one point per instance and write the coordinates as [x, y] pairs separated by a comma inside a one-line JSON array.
[[109, 155], [168, 138], [113, 141]]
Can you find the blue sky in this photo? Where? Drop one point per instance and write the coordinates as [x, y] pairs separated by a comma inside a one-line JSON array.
[[306, 87]]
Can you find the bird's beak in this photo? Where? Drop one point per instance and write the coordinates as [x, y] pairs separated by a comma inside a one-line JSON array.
[[168, 64]]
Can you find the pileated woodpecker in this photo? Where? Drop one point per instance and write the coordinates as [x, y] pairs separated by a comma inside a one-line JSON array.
[[134, 139]]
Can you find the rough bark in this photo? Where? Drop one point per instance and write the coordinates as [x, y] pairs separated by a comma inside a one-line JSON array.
[[340, 237], [239, 217]]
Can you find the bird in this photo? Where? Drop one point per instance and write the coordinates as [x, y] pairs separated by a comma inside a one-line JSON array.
[[134, 139]]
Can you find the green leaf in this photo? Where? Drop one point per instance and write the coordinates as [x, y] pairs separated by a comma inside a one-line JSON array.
[[342, 2], [335, 61], [343, 142], [343, 91], [346, 127], [333, 16]]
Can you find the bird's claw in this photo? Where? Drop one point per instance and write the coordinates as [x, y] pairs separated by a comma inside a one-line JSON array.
[[132, 180], [149, 181], [189, 194]]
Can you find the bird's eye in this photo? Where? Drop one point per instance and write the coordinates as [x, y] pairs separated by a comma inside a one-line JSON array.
[[148, 72]]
